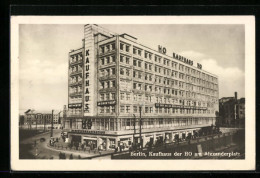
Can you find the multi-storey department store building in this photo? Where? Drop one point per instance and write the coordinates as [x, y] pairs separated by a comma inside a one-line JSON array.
[[112, 76]]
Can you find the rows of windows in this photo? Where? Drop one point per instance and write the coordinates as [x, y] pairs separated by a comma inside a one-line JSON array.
[[157, 59], [125, 96], [168, 63], [107, 60], [107, 109], [107, 72], [128, 123], [192, 91], [107, 96], [75, 79], [152, 109], [107, 84], [76, 58], [76, 89], [107, 48], [76, 68]]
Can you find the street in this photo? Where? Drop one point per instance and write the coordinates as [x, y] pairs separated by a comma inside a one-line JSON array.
[[42, 151]]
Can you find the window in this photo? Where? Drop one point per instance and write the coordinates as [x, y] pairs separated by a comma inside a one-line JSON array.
[[150, 67], [108, 84], [151, 109], [145, 65], [134, 73], [127, 96], [127, 72], [140, 97], [108, 60], [113, 71], [134, 50], [113, 96], [122, 96], [108, 48], [127, 109], [107, 96], [139, 52], [150, 88], [107, 109], [145, 55], [121, 71], [134, 85], [113, 58], [127, 60], [127, 48], [102, 97], [102, 49], [139, 75], [146, 110], [122, 109], [113, 83], [135, 109], [108, 71], [121, 58], [102, 61], [113, 46], [102, 85], [140, 86], [134, 62], [139, 63], [102, 109], [113, 109], [121, 46]]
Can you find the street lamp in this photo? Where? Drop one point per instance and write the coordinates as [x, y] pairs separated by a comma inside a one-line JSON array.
[[140, 123], [52, 124]]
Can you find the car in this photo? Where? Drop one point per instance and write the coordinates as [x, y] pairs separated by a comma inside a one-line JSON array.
[[42, 139]]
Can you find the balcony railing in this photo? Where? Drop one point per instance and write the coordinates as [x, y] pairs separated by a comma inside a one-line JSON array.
[[76, 93], [76, 72], [76, 62], [76, 83]]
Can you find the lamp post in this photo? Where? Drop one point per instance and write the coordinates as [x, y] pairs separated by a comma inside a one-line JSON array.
[[52, 124], [140, 123], [134, 129]]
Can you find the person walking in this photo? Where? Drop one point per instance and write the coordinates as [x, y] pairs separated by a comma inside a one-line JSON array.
[[71, 156], [99, 149], [60, 155]]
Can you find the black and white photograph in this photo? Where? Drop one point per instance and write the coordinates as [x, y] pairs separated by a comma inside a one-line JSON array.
[[126, 92]]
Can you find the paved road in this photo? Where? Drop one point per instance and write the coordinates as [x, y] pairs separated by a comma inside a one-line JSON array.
[[29, 151], [42, 151]]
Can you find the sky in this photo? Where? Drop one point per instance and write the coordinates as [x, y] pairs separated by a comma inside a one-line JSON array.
[[43, 56]]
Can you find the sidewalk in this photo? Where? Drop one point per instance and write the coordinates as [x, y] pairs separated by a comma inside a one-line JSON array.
[[76, 153]]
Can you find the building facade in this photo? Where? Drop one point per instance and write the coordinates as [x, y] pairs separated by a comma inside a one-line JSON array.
[[113, 81], [41, 119], [232, 111]]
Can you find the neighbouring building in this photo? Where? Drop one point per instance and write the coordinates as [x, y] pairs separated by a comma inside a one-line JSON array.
[[232, 111], [113, 78], [41, 119]]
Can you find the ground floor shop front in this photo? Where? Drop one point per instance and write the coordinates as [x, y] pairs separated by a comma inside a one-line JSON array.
[[103, 141]]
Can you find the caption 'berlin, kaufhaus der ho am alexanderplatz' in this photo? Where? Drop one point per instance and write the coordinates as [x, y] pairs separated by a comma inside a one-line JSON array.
[[116, 85]]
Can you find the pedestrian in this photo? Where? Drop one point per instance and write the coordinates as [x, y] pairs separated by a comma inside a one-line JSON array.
[[79, 157], [99, 149], [71, 156], [60, 155]]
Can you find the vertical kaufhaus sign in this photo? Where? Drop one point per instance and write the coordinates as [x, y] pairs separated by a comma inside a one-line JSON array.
[[89, 72]]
